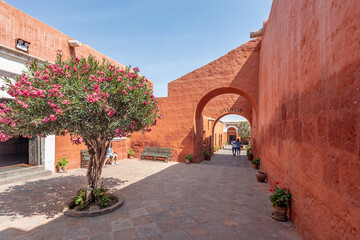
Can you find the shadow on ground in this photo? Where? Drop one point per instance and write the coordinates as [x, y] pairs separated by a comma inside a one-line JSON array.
[[183, 201], [44, 197]]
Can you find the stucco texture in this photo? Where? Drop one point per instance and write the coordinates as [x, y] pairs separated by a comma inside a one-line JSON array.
[[309, 121]]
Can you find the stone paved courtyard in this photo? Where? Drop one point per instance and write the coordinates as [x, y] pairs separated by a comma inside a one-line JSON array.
[[220, 199]]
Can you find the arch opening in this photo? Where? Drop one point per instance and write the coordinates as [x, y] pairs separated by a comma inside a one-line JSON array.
[[230, 130], [199, 140]]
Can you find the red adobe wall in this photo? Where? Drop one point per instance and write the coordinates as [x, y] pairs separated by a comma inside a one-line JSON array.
[[45, 40], [309, 113], [225, 104], [182, 126], [72, 152]]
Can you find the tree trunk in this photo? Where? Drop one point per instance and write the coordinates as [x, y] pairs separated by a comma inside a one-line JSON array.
[[97, 150]]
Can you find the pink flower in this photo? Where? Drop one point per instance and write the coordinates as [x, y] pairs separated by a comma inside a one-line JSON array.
[[144, 103], [276, 182], [52, 117], [68, 74], [136, 69], [76, 140], [111, 112], [284, 188], [65, 102], [74, 68], [134, 87], [44, 120]]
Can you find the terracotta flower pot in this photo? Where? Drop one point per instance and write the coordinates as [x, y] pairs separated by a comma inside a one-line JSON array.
[[260, 176], [207, 158], [279, 213], [256, 166], [62, 170], [131, 156], [250, 158], [187, 161]]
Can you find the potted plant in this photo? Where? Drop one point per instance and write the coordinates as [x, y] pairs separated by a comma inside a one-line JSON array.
[[256, 163], [207, 155], [260, 176], [279, 200], [61, 165], [188, 159], [131, 153], [250, 156]]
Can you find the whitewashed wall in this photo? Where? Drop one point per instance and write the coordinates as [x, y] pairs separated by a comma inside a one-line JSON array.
[[12, 63]]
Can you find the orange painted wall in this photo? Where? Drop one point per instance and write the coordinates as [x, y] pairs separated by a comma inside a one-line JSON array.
[[234, 73], [218, 106], [309, 113], [64, 148], [45, 40]]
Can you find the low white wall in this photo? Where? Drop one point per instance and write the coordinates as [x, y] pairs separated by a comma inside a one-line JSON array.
[[49, 156]]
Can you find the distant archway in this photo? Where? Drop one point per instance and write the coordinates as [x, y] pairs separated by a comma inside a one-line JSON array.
[[218, 119]]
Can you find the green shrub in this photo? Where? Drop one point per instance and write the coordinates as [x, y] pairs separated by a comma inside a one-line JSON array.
[[79, 200], [280, 196], [101, 196], [189, 157], [256, 161], [248, 150], [206, 153], [62, 163], [131, 152]]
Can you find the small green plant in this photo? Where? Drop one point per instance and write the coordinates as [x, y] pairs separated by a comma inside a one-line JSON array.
[[250, 155], [131, 152], [79, 200], [226, 143], [280, 196], [101, 196], [206, 153], [189, 157], [62, 163], [248, 150], [256, 161]]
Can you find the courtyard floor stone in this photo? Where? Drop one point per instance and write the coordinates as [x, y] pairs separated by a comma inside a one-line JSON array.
[[217, 199]]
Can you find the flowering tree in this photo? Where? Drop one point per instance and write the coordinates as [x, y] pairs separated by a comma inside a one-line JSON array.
[[92, 101], [244, 129]]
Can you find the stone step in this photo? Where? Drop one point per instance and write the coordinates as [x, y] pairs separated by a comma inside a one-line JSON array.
[[24, 176], [19, 171]]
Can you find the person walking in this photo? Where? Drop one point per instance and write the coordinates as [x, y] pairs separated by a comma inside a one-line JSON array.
[[233, 144], [238, 146]]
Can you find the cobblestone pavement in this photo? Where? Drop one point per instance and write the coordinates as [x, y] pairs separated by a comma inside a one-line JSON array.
[[218, 199]]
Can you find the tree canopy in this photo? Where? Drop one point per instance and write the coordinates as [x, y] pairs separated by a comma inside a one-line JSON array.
[[78, 96]]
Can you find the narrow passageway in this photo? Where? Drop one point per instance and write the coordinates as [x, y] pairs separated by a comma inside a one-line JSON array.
[[217, 199], [224, 157]]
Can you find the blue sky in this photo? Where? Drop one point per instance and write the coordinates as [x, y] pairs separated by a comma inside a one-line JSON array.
[[165, 39]]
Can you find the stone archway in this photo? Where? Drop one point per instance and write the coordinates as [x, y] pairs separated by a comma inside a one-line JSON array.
[[201, 105], [181, 129]]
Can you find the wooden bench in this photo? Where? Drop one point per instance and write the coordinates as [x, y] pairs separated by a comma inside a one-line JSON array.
[[84, 158], [157, 153]]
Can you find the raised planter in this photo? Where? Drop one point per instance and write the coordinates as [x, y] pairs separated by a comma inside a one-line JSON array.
[[256, 166], [93, 210]]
